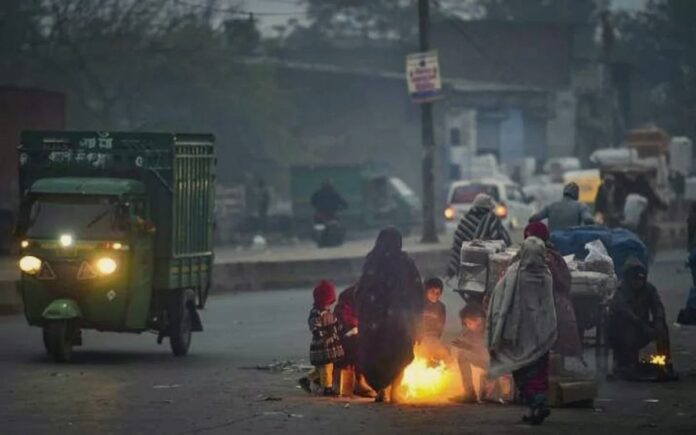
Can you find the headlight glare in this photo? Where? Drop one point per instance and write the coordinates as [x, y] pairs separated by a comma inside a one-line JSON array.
[[30, 264], [106, 265], [66, 240]]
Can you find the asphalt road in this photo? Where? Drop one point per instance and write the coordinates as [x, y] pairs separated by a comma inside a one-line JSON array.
[[121, 383]]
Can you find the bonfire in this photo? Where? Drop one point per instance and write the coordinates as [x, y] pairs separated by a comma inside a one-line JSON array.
[[432, 377]]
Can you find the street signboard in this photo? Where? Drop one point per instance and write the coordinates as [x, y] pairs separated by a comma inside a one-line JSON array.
[[423, 76]]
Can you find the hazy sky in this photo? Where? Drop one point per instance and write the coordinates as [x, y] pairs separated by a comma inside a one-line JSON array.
[[292, 9]]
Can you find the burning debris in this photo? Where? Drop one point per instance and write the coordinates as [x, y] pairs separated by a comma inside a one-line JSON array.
[[660, 360], [655, 368]]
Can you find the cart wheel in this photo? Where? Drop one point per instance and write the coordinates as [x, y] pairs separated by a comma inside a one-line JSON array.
[[57, 338], [180, 322]]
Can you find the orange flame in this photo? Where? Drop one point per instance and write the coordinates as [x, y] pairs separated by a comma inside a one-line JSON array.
[[430, 377]]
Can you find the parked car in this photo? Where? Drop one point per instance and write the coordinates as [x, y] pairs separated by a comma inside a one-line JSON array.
[[513, 206]]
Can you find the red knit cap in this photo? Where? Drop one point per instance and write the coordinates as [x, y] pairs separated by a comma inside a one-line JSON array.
[[324, 294], [537, 229]]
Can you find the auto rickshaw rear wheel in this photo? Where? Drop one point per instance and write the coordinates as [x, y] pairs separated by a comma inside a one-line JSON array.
[[180, 321], [57, 338]]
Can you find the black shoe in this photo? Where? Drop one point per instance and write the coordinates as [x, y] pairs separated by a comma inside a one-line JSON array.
[[536, 416], [305, 384], [329, 391]]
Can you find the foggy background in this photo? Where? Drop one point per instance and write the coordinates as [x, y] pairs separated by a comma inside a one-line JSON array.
[[281, 82]]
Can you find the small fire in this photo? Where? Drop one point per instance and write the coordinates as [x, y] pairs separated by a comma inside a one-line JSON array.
[[429, 379], [659, 360]]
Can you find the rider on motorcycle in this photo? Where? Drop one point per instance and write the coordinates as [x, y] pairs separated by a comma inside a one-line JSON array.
[[327, 202]]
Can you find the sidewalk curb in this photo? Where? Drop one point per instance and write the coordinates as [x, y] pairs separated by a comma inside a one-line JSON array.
[[259, 275]]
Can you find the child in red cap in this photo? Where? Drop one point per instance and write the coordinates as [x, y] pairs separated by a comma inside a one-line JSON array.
[[325, 348]]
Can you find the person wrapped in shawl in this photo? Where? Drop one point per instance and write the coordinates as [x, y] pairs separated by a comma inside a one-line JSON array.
[[636, 318], [522, 327], [481, 223], [568, 342], [390, 300]]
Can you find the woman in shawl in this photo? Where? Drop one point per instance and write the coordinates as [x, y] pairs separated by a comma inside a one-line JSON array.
[[481, 223], [521, 327], [568, 342], [390, 299]]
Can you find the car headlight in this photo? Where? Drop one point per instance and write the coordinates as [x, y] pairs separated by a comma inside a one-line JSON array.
[[30, 264], [501, 211], [106, 265], [450, 213]]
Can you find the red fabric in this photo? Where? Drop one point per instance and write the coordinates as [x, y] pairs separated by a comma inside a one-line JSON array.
[[537, 229], [538, 383], [533, 380], [345, 309], [324, 294]]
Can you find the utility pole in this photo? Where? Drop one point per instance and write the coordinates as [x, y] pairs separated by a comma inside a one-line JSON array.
[[427, 133]]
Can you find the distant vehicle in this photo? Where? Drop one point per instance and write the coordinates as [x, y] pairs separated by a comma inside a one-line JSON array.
[[116, 234], [375, 198], [513, 206]]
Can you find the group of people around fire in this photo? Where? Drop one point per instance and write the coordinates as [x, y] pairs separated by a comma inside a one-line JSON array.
[[364, 338]]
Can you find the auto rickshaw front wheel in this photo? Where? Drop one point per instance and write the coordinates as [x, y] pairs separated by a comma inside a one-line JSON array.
[[58, 339], [181, 321]]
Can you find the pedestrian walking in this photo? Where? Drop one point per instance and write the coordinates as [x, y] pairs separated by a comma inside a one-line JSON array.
[[687, 316], [390, 301], [568, 342], [263, 201], [521, 328]]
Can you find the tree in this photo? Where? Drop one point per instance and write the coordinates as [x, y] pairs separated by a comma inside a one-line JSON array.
[[661, 42], [559, 11], [150, 64]]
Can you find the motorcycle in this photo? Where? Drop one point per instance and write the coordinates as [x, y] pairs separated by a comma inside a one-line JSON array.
[[328, 230]]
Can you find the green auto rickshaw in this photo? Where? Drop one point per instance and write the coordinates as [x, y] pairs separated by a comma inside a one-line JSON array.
[[116, 234]]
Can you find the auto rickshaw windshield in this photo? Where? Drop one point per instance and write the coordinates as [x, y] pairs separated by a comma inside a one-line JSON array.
[[83, 217]]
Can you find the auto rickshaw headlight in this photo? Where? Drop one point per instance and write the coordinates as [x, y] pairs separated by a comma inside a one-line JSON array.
[[66, 240], [30, 264], [106, 265]]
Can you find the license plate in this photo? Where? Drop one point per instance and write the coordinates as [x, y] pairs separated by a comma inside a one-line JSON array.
[[319, 227]]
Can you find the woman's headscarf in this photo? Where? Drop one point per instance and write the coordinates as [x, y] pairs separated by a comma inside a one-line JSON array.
[[537, 229], [484, 201], [388, 243]]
